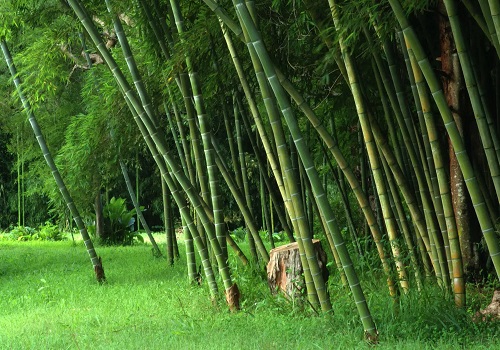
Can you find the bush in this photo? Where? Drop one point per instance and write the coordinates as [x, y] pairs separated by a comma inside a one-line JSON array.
[[119, 223], [46, 232], [50, 232]]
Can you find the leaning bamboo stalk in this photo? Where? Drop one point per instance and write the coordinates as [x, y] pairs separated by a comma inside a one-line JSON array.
[[256, 42], [373, 154], [130, 189], [190, 230], [149, 132], [239, 198], [243, 172], [291, 181], [480, 20], [420, 240], [472, 88], [433, 181], [293, 209], [314, 120], [96, 260], [491, 32], [495, 15], [444, 187], [168, 222], [400, 110], [413, 44], [274, 197]]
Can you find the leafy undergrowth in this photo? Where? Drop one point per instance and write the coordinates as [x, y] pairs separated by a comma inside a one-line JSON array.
[[49, 299]]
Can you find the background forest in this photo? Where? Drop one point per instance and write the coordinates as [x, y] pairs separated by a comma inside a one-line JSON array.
[[369, 125]]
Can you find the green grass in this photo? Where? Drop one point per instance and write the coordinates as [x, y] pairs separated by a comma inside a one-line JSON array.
[[49, 300]]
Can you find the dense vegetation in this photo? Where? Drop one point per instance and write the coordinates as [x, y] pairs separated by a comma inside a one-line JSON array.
[[372, 126]]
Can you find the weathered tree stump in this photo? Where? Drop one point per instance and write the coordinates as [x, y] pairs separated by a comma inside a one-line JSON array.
[[492, 311], [284, 270]]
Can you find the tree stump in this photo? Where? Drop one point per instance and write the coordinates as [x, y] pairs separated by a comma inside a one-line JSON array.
[[492, 311], [284, 270]]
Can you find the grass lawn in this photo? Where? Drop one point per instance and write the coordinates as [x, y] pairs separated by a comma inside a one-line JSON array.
[[49, 299]]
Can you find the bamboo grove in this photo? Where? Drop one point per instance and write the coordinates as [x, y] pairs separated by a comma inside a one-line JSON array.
[[370, 125]]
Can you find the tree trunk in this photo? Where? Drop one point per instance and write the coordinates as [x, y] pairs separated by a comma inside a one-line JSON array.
[[451, 79], [284, 270]]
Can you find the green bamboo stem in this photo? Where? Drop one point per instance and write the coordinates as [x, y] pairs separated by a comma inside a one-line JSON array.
[[190, 229], [218, 241], [199, 159], [156, 30], [132, 66], [481, 22], [373, 156], [477, 198], [263, 171], [156, 250], [444, 186], [177, 142], [495, 15], [405, 228], [167, 219], [348, 214], [487, 112], [244, 177], [317, 187], [270, 154], [317, 124], [95, 259], [393, 89], [185, 144], [240, 201], [315, 286], [406, 128], [492, 33], [232, 148], [150, 134], [432, 179], [472, 88]]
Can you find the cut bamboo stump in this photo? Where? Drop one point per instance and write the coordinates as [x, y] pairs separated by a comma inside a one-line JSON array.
[[285, 272]]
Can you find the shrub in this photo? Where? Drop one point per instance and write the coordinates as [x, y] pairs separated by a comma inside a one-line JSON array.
[[50, 232], [119, 223], [45, 232]]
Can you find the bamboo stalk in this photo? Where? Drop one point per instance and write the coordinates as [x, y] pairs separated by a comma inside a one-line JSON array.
[[370, 329], [95, 259], [485, 221]]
